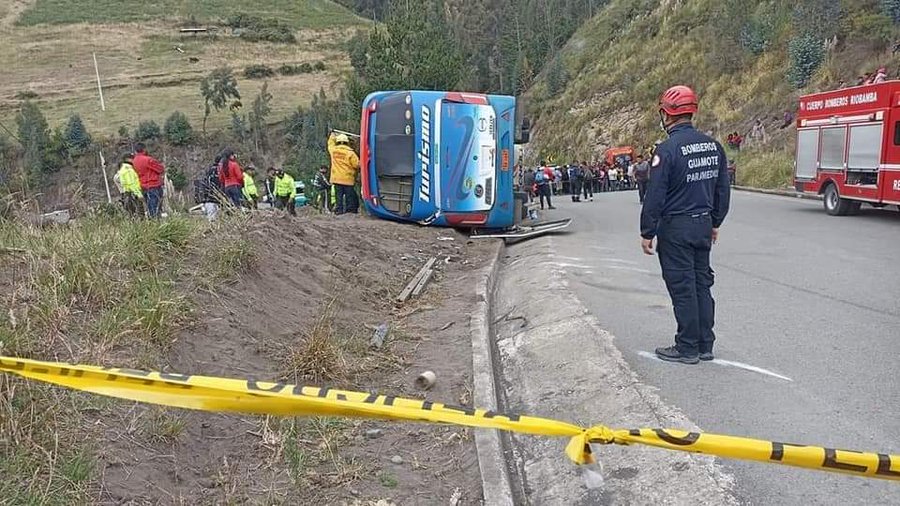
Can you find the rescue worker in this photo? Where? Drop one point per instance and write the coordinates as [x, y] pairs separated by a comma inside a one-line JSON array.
[[232, 177], [285, 191], [129, 185], [251, 193], [151, 175], [685, 205], [344, 166]]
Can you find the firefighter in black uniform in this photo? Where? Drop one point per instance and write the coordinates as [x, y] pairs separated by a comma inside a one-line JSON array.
[[686, 203]]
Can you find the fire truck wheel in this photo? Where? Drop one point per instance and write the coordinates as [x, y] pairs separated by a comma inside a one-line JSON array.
[[836, 206]]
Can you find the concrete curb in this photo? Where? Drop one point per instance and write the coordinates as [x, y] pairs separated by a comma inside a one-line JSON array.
[[782, 193], [495, 480]]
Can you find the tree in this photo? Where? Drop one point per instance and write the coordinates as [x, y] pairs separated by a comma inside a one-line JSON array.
[[806, 53], [891, 9], [34, 134], [556, 76], [258, 114], [76, 136], [178, 129], [217, 89]]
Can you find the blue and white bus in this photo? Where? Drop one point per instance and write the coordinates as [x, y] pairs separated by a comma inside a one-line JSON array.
[[440, 158]]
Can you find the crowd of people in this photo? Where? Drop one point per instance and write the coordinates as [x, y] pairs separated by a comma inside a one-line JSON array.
[[141, 181], [582, 180]]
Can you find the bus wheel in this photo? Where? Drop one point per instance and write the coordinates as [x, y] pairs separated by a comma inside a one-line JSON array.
[[835, 205]]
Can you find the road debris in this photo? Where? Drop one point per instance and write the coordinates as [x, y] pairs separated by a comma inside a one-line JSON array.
[[426, 380], [379, 336], [418, 282]]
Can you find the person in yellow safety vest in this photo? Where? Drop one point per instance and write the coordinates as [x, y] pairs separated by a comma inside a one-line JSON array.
[[251, 193], [344, 166], [129, 185], [285, 191]]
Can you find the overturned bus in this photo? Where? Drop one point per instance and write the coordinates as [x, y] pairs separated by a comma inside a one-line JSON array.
[[445, 159]]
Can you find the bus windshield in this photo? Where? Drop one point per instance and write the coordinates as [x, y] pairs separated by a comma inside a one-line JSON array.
[[394, 138]]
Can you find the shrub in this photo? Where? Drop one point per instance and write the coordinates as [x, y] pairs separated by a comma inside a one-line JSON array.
[[178, 129], [258, 71], [806, 53], [319, 66], [123, 132], [293, 70], [76, 136], [255, 29], [178, 177], [26, 95], [147, 131], [873, 28]]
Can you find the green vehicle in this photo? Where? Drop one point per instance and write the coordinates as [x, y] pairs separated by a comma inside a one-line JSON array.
[[300, 200]]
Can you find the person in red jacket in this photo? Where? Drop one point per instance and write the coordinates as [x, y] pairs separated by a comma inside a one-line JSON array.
[[151, 174], [232, 177]]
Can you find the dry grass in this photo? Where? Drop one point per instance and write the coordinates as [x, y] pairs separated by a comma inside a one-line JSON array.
[[318, 356], [144, 77]]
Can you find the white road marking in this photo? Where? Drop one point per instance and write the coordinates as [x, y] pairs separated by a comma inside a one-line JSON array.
[[626, 268], [726, 363]]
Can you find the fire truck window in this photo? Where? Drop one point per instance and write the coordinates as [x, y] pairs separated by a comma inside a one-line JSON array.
[[833, 144], [807, 152], [865, 147], [897, 133]]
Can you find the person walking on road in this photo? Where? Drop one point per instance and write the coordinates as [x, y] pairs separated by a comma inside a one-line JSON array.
[[151, 174], [543, 178], [344, 166], [572, 172], [641, 176], [528, 183], [129, 185], [685, 205], [588, 181]]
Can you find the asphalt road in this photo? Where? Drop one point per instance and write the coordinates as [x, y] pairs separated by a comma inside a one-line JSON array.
[[810, 297]]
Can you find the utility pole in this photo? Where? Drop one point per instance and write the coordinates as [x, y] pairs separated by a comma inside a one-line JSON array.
[[99, 86]]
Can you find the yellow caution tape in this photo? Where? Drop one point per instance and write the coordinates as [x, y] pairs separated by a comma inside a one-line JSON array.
[[265, 398]]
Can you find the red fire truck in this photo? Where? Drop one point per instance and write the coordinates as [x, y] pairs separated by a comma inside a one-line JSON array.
[[848, 147]]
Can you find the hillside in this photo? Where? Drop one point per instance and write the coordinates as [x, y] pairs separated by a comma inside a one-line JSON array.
[[735, 54], [149, 69]]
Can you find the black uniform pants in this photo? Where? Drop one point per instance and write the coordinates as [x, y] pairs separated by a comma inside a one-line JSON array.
[[347, 201], [684, 244], [588, 188]]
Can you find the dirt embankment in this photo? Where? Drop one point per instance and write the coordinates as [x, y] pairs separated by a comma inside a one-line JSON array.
[[309, 292]]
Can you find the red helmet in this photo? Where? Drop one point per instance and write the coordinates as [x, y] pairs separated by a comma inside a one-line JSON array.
[[678, 100]]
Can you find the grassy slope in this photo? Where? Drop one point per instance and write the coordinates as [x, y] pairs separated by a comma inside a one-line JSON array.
[[143, 75], [620, 61], [302, 13]]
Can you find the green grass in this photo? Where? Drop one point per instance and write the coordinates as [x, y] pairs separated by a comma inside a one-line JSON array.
[[104, 290], [299, 13]]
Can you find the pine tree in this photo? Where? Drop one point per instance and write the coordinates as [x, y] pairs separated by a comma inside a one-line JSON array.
[[178, 129], [34, 134], [76, 136], [258, 114]]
